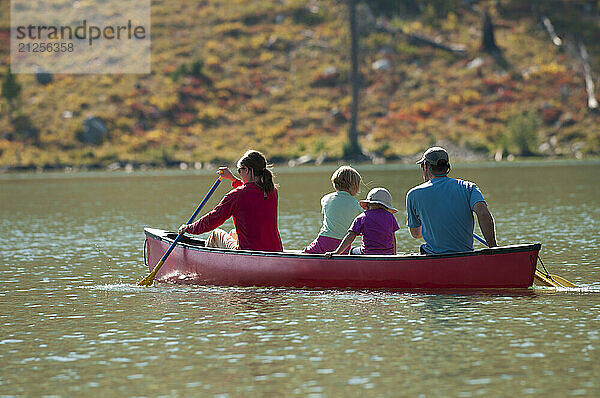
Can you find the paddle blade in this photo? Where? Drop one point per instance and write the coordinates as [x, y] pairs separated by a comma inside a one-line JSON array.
[[562, 281], [149, 279], [541, 280], [553, 281]]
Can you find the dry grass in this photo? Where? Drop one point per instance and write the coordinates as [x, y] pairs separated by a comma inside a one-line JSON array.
[[260, 62]]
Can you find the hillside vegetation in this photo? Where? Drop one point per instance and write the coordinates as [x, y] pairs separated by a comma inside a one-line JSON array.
[[274, 76]]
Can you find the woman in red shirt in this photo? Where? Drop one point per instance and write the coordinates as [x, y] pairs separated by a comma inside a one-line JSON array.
[[253, 205]]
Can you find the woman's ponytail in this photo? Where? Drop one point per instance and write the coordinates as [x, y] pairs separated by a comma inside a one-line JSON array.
[[267, 181], [257, 162]]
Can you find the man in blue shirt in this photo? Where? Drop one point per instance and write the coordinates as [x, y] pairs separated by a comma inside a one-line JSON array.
[[441, 209]]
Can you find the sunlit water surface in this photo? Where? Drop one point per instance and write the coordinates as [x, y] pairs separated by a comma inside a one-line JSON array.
[[73, 322]]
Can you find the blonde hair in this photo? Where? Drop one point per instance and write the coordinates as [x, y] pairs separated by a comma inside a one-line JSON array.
[[346, 179], [372, 206]]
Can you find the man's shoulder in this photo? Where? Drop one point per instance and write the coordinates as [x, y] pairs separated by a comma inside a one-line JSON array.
[[463, 182], [467, 186], [420, 187], [449, 183]]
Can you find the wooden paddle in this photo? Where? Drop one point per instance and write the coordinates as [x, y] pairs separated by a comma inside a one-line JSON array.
[[560, 280], [149, 279], [541, 279]]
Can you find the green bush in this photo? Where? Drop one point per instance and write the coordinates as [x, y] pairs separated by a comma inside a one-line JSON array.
[[522, 133], [194, 69], [11, 89], [308, 17]]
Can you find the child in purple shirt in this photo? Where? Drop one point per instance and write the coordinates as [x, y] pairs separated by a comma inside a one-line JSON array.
[[377, 225]]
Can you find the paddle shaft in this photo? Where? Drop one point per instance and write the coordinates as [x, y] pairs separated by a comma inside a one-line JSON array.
[[549, 280], [481, 240], [147, 281], [193, 217]]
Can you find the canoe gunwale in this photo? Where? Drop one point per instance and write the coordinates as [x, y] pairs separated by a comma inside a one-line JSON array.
[[163, 235]]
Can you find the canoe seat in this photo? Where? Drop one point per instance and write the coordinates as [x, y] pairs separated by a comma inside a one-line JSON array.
[[187, 239]]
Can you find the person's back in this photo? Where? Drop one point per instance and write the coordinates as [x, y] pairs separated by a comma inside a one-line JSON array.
[[252, 204], [441, 210], [444, 207], [377, 225], [339, 209], [255, 219]]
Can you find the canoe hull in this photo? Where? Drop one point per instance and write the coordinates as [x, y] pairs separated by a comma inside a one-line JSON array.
[[505, 267]]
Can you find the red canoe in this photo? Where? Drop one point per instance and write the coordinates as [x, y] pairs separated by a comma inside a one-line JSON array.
[[192, 263]]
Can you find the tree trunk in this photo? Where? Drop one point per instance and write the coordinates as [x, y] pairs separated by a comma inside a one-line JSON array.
[[589, 81], [353, 149], [488, 43]]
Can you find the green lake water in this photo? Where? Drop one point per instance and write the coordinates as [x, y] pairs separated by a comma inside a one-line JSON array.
[[74, 323]]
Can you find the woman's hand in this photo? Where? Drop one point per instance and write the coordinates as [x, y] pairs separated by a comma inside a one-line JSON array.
[[226, 173], [182, 229]]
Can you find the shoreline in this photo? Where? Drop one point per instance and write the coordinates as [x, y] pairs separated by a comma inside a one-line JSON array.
[[126, 169]]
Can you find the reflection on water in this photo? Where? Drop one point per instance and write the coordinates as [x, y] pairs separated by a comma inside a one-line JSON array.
[[74, 322]]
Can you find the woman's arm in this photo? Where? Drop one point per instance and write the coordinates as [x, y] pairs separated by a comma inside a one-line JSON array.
[[226, 173], [215, 218]]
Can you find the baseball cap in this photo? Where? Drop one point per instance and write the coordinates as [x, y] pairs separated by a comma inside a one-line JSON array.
[[433, 155]]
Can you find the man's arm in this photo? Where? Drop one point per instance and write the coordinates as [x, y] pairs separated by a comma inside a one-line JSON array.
[[486, 223], [411, 216], [415, 232]]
